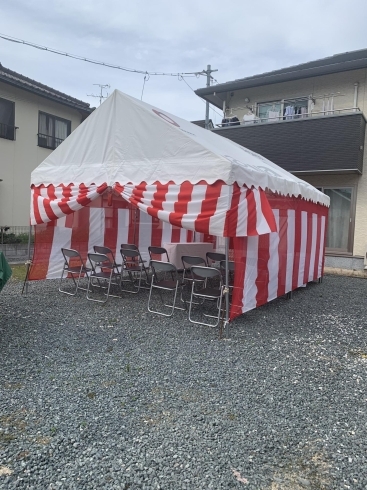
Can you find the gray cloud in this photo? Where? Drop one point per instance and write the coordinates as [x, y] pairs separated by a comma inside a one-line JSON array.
[[240, 38]]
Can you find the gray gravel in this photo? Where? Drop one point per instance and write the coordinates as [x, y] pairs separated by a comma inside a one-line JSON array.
[[113, 397]]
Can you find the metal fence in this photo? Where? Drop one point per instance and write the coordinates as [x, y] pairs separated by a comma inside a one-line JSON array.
[[47, 141], [14, 242], [293, 117]]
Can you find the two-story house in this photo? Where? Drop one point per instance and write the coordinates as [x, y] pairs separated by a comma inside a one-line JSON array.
[[310, 119], [34, 120]]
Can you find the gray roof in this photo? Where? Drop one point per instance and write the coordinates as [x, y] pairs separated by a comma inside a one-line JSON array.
[[352, 60], [201, 123], [25, 83]]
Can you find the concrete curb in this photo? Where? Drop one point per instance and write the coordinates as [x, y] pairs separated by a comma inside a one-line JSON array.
[[346, 272]]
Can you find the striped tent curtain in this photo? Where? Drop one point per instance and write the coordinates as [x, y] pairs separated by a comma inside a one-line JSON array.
[[277, 242]]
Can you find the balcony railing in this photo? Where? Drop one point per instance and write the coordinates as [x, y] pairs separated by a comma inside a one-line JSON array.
[[49, 142], [7, 132], [294, 117]]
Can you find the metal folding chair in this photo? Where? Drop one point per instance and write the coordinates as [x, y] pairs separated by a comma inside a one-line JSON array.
[[133, 265], [187, 262], [129, 246], [73, 265], [164, 284], [107, 251], [200, 275], [132, 246], [154, 251], [102, 270], [212, 257], [230, 273]]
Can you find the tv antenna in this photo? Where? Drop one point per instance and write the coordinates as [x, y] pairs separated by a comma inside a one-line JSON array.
[[100, 96]]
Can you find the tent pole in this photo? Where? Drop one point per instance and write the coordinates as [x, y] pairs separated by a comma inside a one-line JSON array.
[[226, 323], [29, 262]]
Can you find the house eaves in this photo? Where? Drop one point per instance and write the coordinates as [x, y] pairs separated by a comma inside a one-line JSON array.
[[353, 60], [25, 83]]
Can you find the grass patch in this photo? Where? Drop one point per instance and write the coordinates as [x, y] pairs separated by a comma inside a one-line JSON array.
[[357, 353], [43, 440], [19, 272], [12, 386], [6, 438]]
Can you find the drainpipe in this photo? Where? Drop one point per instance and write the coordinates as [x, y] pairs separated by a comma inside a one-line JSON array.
[[355, 96]]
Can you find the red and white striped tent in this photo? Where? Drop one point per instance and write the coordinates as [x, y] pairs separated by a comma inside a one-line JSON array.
[[132, 172]]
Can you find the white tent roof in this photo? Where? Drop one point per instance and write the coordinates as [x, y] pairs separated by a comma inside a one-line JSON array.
[[128, 141]]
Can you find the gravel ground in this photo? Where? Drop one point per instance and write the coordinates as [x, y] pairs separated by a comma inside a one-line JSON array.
[[114, 397]]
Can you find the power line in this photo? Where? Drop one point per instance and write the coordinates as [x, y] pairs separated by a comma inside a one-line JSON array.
[[95, 62], [183, 78], [146, 73]]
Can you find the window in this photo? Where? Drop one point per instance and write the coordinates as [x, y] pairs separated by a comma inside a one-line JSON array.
[[286, 109], [270, 110], [341, 219], [52, 130], [7, 129]]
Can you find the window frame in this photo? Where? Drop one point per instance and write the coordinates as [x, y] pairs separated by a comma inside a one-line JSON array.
[[41, 136], [10, 127], [282, 103], [259, 104], [352, 216]]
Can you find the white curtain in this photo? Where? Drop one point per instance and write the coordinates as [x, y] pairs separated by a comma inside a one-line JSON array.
[[53, 130], [61, 132], [339, 218], [46, 129], [43, 125]]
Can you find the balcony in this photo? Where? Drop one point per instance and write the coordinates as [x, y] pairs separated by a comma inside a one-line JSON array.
[[319, 143]]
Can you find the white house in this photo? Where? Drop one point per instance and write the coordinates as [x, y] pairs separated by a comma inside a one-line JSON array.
[[34, 120], [310, 119]]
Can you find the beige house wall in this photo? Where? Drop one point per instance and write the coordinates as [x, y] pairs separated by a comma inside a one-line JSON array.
[[319, 86], [315, 86], [20, 157]]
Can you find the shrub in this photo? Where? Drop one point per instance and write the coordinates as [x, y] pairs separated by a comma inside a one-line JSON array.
[[12, 238]]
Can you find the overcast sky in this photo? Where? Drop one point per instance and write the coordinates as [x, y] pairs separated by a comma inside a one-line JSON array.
[[239, 38]]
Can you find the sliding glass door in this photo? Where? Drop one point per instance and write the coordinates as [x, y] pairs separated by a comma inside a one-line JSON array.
[[341, 219]]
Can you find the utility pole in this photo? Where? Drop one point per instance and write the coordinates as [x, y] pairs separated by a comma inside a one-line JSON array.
[[208, 73], [100, 96]]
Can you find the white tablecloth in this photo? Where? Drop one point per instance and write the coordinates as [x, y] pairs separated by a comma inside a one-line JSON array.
[[177, 250]]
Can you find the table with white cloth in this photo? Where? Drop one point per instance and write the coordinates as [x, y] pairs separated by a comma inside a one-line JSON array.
[[177, 250]]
